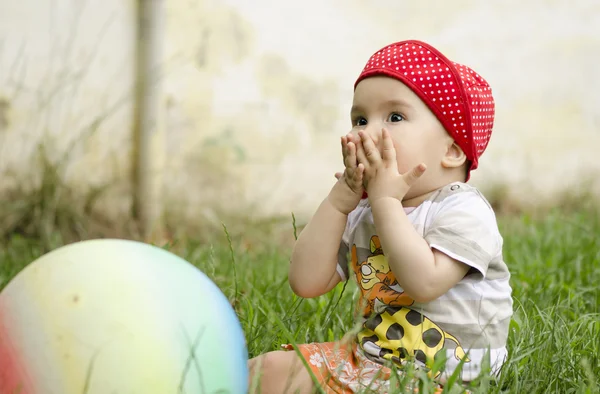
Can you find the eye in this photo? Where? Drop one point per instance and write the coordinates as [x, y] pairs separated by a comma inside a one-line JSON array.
[[395, 117], [359, 121]]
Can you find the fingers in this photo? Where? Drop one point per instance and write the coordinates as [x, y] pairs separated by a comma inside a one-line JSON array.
[[411, 176], [351, 159], [349, 151], [354, 177], [360, 173], [353, 172], [371, 152], [389, 152], [360, 152], [344, 141]]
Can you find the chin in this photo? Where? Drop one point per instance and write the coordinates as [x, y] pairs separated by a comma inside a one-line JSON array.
[[420, 191]]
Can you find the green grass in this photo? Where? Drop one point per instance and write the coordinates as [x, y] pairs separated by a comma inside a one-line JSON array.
[[554, 340]]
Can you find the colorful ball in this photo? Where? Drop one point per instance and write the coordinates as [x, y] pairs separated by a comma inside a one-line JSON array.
[[116, 316]]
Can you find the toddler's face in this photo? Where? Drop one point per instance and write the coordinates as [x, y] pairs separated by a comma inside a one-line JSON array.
[[383, 102]]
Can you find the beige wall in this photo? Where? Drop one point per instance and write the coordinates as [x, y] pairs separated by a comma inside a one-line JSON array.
[[66, 69], [258, 92]]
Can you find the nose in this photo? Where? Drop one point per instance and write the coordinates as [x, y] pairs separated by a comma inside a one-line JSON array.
[[374, 131]]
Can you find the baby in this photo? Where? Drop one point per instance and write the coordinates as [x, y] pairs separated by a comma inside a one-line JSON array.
[[424, 246]]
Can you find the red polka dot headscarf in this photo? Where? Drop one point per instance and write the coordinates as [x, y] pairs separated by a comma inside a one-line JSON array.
[[459, 97]]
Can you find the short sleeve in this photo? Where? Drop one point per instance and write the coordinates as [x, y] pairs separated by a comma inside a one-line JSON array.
[[344, 250], [465, 228], [343, 259]]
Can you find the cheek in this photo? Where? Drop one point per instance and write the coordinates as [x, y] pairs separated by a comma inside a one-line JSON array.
[[405, 156], [410, 153], [407, 149]]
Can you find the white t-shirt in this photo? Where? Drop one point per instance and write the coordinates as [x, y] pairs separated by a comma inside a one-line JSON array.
[[470, 318]]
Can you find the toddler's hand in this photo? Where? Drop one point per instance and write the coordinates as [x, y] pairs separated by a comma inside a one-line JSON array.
[[353, 173], [348, 191], [381, 175]]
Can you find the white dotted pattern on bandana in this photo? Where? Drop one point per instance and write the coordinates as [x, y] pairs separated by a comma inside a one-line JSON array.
[[436, 81]]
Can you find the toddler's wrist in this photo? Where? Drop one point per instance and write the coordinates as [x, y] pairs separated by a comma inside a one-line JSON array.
[[342, 198], [384, 202]]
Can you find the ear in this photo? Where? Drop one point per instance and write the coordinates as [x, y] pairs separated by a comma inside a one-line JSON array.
[[454, 157]]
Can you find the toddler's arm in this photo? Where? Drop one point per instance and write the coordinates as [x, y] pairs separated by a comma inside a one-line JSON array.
[[424, 273], [314, 257]]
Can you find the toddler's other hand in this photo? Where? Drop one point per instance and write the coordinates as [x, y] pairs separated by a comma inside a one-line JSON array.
[[353, 173], [348, 191]]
